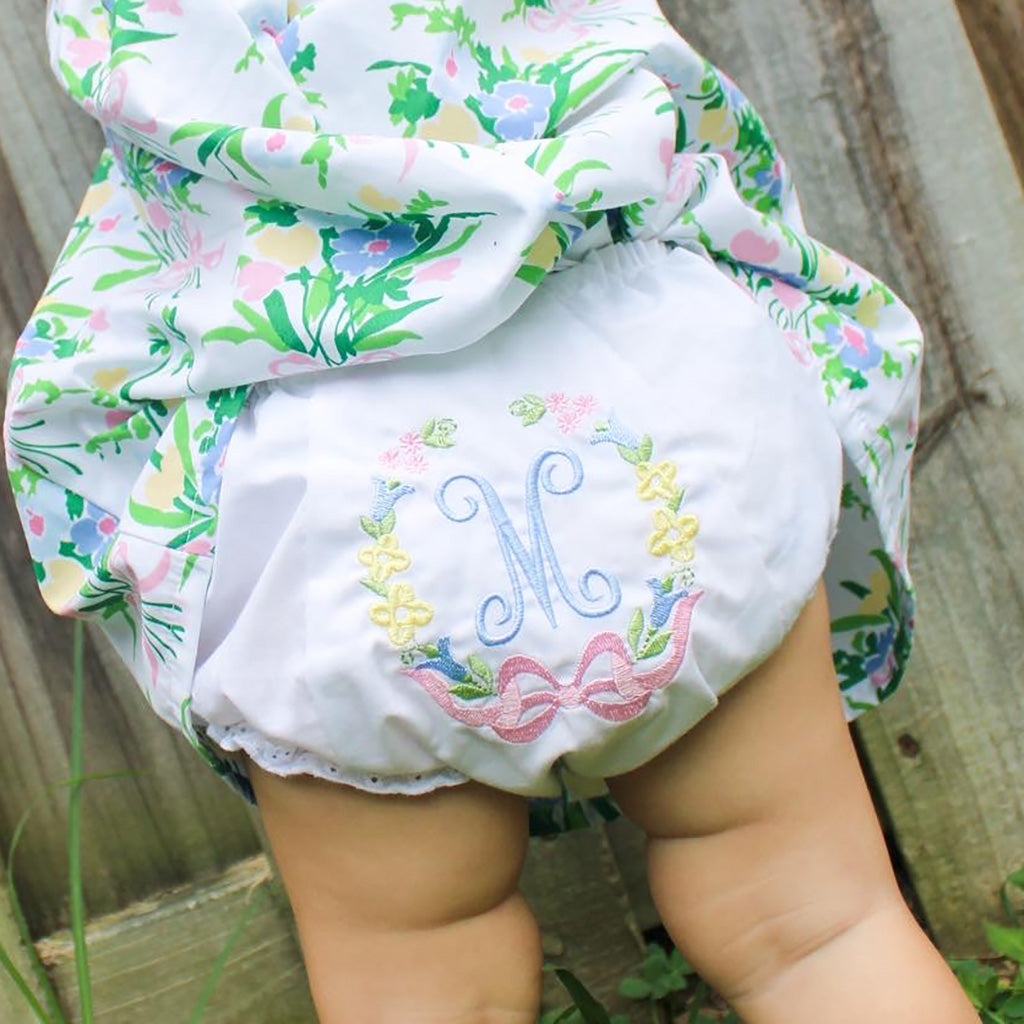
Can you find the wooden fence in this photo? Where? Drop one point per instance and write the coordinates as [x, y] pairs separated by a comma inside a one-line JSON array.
[[907, 164]]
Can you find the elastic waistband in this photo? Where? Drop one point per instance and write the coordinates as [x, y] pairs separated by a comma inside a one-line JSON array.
[[626, 256]]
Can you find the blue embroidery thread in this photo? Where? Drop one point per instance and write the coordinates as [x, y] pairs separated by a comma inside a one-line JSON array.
[[535, 560]]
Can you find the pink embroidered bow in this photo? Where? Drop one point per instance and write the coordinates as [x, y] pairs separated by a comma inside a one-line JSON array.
[[506, 715]]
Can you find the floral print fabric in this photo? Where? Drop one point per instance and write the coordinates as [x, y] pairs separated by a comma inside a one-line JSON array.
[[272, 201]]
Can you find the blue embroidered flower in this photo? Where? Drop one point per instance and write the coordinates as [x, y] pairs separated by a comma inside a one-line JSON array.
[[445, 663], [385, 495], [664, 601], [518, 108], [358, 249], [615, 432], [93, 530], [857, 346]]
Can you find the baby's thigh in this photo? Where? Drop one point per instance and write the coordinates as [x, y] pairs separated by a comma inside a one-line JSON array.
[[764, 840]]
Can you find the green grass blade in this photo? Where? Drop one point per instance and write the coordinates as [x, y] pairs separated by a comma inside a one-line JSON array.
[[591, 1010], [26, 993], [75, 834], [56, 1014], [248, 911]]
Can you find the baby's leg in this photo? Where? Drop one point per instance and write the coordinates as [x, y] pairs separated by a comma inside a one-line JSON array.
[[408, 908], [767, 862]]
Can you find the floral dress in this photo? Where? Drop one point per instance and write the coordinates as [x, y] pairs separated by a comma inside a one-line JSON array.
[[273, 209]]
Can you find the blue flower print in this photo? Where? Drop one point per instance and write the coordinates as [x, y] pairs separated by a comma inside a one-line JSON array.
[[210, 468], [30, 345], [385, 494], [445, 663], [857, 346], [168, 174], [518, 108], [93, 530], [664, 601], [358, 249], [881, 655], [770, 179]]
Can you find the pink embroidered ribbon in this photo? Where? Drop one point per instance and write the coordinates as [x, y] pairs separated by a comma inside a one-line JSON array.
[[507, 715]]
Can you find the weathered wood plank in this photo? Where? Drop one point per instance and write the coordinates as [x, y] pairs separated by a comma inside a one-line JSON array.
[[154, 958], [871, 102], [996, 31]]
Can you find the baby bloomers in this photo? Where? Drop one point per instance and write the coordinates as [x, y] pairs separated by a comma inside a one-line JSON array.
[[541, 558], [403, 414]]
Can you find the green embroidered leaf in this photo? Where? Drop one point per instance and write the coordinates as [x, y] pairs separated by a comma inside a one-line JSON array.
[[530, 409], [369, 527], [480, 668], [636, 627], [629, 454], [676, 501], [655, 645], [439, 433], [387, 524], [646, 449], [378, 588], [467, 691]]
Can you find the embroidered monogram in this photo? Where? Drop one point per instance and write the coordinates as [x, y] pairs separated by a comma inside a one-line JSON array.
[[533, 561]]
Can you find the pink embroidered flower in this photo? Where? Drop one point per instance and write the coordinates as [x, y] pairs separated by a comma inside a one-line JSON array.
[[568, 420], [258, 279], [390, 458], [586, 405], [411, 440], [415, 462], [556, 401]]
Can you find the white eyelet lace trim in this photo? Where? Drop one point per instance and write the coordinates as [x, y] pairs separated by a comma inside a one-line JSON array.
[[283, 760]]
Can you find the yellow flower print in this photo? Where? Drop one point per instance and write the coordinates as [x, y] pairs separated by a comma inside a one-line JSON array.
[[401, 614], [673, 535], [384, 558], [656, 481]]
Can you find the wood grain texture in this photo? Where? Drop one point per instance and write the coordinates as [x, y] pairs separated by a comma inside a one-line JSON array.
[[13, 1008], [996, 31], [171, 821], [153, 959], [883, 113]]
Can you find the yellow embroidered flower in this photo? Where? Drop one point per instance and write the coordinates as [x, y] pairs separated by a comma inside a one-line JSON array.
[[673, 535], [401, 614], [656, 481], [384, 558]]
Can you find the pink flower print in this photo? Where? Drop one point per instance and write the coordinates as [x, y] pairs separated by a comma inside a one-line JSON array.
[[115, 416], [98, 321], [165, 7], [294, 362], [158, 216], [556, 401], [112, 104], [36, 523], [258, 279], [109, 223], [799, 347], [667, 151], [199, 546], [750, 247], [187, 269], [276, 141], [86, 52], [682, 178], [451, 65], [439, 270], [562, 14], [790, 297]]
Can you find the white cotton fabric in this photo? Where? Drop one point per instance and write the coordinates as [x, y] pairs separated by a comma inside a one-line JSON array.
[[296, 668]]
